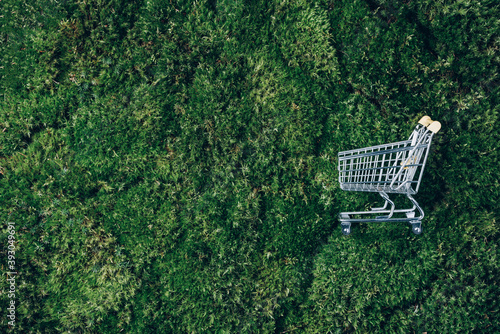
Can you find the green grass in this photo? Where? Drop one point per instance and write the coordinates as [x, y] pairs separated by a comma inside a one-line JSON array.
[[171, 166]]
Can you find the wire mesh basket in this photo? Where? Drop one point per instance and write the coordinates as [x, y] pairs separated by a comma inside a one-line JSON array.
[[388, 168]]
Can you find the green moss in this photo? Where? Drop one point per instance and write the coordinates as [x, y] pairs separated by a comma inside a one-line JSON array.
[[171, 165]]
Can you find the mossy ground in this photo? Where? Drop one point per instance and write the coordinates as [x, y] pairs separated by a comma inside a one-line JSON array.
[[171, 167]]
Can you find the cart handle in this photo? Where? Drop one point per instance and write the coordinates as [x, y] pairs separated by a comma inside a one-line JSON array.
[[425, 121], [431, 125]]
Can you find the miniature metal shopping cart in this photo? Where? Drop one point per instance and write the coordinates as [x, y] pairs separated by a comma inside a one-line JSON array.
[[389, 168]]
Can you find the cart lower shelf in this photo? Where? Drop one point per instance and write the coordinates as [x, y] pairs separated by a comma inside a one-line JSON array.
[[383, 214]]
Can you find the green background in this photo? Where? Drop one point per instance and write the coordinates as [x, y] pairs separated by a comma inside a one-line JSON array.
[[171, 166]]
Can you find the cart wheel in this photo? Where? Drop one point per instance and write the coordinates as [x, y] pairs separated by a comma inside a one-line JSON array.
[[416, 227], [346, 228]]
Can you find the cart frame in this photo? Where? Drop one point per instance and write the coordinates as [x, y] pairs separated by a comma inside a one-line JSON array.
[[389, 168]]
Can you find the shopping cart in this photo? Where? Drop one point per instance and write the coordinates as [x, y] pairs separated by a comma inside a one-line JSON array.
[[390, 168]]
